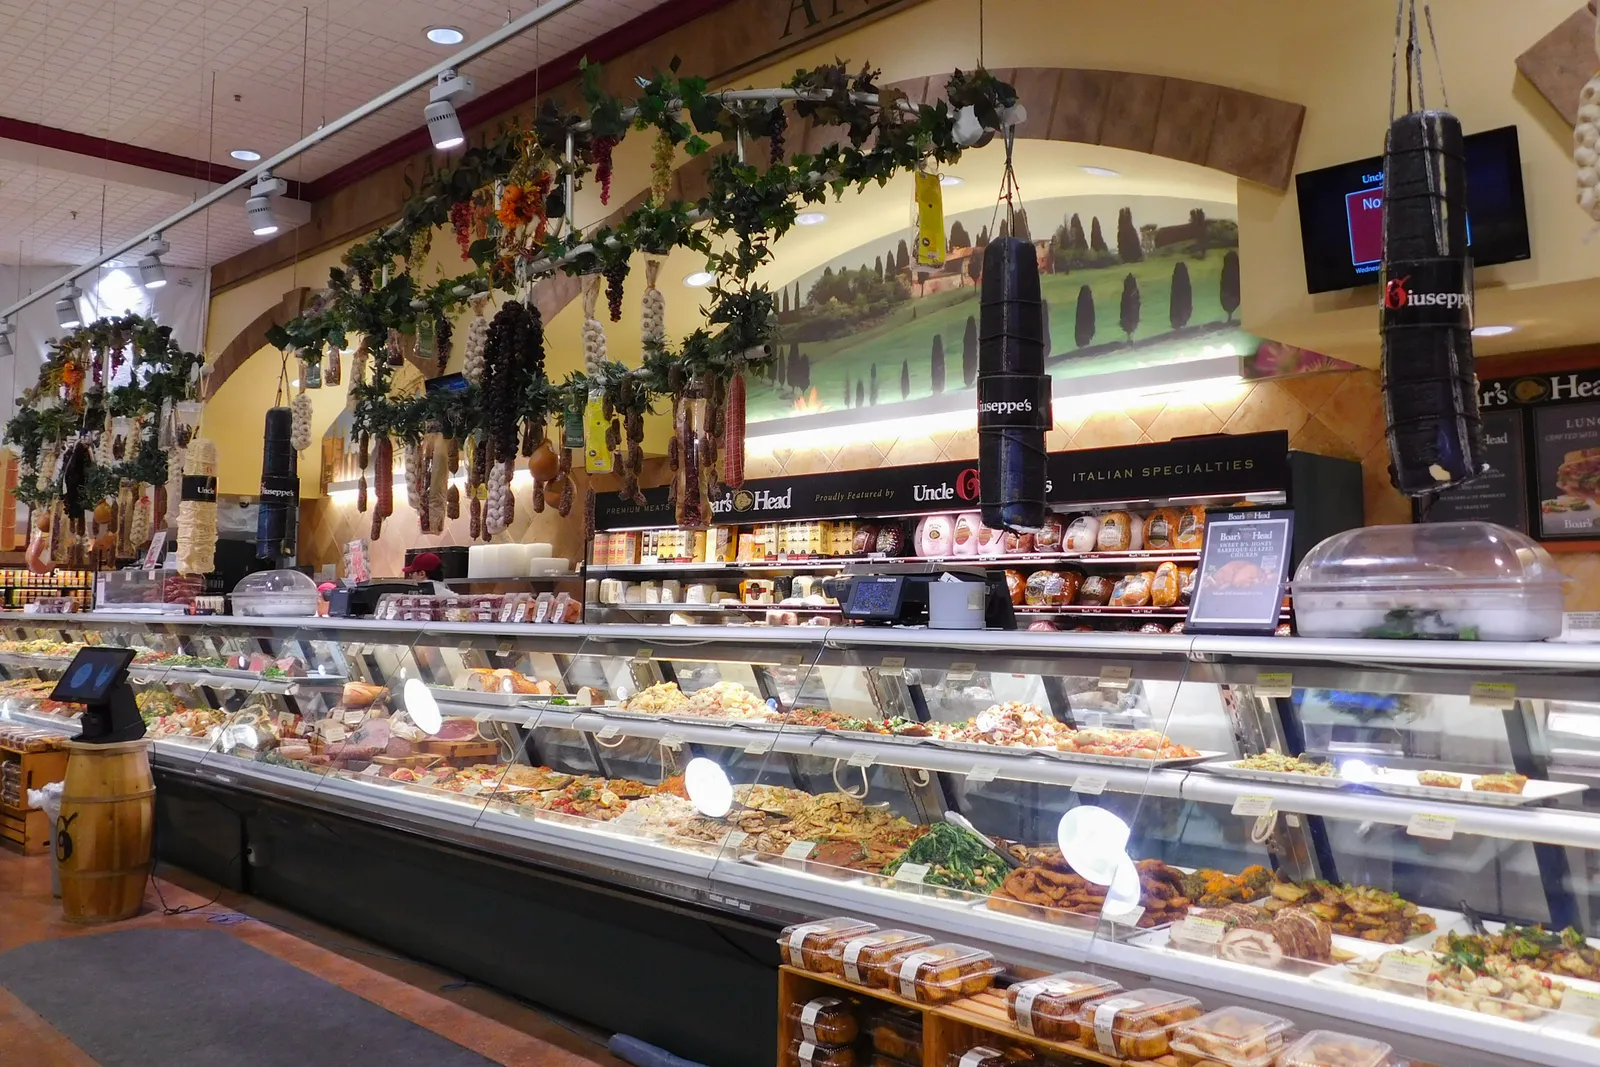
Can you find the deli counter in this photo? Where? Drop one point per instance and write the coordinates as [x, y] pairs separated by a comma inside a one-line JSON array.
[[1394, 837]]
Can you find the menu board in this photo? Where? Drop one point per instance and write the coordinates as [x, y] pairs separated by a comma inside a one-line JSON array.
[[1243, 569], [1501, 496], [1567, 458]]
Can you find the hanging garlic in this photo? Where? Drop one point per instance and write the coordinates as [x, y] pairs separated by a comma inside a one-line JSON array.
[[1586, 142], [654, 317], [300, 421], [139, 528], [413, 462], [497, 514], [477, 343], [594, 335]]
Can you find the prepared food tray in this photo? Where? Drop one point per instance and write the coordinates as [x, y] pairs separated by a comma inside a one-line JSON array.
[[1565, 953], [1326, 1048], [824, 1021], [1500, 988], [446, 695], [939, 974], [1231, 1037], [1049, 1007], [986, 748], [1135, 1024], [864, 958], [1229, 768], [1132, 761], [804, 1053], [892, 739], [1468, 788]]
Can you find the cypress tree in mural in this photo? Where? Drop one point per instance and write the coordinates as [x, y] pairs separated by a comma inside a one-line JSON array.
[[1230, 283], [1202, 233], [847, 391], [1005, 230], [1097, 240], [1021, 230], [1129, 248], [1130, 306], [797, 296], [974, 267], [1182, 296], [805, 374], [969, 352], [785, 308], [905, 380], [1044, 309], [958, 236], [872, 386], [936, 365], [902, 256], [1075, 239], [1083, 325], [860, 394], [877, 268]]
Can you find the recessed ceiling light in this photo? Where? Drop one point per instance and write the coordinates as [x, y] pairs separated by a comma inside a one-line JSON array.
[[949, 179], [445, 35], [245, 155], [1101, 172], [1493, 331], [810, 218], [699, 279]]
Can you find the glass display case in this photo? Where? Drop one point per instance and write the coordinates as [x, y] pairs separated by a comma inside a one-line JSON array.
[[1396, 837]]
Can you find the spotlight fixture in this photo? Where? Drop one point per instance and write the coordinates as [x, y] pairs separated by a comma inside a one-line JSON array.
[[1101, 172], [810, 218], [6, 329], [67, 313], [245, 155], [1493, 331], [699, 279], [152, 273], [950, 179], [258, 209], [445, 34], [443, 125]]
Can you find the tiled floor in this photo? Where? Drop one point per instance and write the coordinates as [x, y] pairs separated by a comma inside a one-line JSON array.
[[498, 1028]]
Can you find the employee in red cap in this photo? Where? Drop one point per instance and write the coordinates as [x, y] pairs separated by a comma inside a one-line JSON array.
[[428, 565]]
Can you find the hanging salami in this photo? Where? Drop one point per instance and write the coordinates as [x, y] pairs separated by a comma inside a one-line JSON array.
[[280, 488], [1013, 389], [1430, 391], [197, 509]]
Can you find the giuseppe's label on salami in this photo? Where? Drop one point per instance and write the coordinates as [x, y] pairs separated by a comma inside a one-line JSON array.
[[1014, 402], [1428, 292], [199, 487], [279, 489]]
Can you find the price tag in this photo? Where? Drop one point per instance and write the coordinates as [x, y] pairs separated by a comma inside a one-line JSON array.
[[983, 772], [1090, 784], [799, 850], [860, 759], [353, 716], [286, 722], [1253, 804], [532, 721], [628, 820], [912, 873], [472, 789], [894, 664], [1581, 1002], [1115, 677], [1412, 970], [672, 741], [466, 643], [1437, 827], [792, 659], [606, 733], [961, 671], [506, 646], [372, 770], [759, 747], [1130, 917], [734, 839], [333, 732], [644, 655], [1197, 930], [1274, 684], [1493, 694]]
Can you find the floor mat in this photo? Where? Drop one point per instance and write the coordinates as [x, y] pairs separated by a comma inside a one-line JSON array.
[[198, 998]]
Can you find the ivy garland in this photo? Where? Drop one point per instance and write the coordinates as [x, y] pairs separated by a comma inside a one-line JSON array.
[[507, 201]]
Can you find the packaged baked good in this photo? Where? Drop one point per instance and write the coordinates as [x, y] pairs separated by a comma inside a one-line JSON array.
[[825, 1021], [1136, 1025], [1191, 527], [864, 958], [1131, 591], [809, 945], [1048, 537], [1120, 531], [938, 974], [1082, 534], [1015, 585], [865, 540], [964, 535], [1095, 591], [1048, 1007], [1165, 587], [1045, 589], [982, 1056], [1231, 1037], [896, 1035], [1161, 529], [1185, 584], [1017, 544], [811, 1054], [1326, 1048]]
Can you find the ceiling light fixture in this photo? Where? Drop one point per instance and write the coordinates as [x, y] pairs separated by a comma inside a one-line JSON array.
[[443, 125], [810, 218], [6, 330], [445, 34], [245, 155], [1493, 331], [152, 272], [699, 279], [950, 179], [258, 209], [67, 313], [1101, 172]]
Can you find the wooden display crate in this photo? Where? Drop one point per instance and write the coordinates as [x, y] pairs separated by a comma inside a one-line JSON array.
[[25, 828]]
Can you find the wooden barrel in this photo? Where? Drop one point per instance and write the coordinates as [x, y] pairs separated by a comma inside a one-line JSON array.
[[104, 830]]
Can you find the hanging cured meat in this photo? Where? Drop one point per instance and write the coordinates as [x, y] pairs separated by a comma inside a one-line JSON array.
[[1586, 142], [1013, 389], [197, 509], [280, 488], [1430, 389]]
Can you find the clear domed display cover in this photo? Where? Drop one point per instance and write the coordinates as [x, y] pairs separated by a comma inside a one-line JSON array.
[[1468, 581], [275, 593]]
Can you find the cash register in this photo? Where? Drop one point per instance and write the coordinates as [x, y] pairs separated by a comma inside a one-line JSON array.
[[879, 597]]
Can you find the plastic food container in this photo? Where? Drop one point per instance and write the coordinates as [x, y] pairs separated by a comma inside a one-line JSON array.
[[1469, 581], [938, 974], [896, 1035], [810, 1054], [1236, 1037], [825, 1021], [275, 593], [807, 945], [1135, 1025], [982, 1056], [1048, 1007], [1325, 1048], [863, 959]]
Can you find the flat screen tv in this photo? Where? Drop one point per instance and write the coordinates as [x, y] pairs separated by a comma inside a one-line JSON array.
[[1341, 213]]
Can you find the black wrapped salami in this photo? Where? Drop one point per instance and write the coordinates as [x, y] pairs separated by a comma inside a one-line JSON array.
[[1013, 389], [280, 489]]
